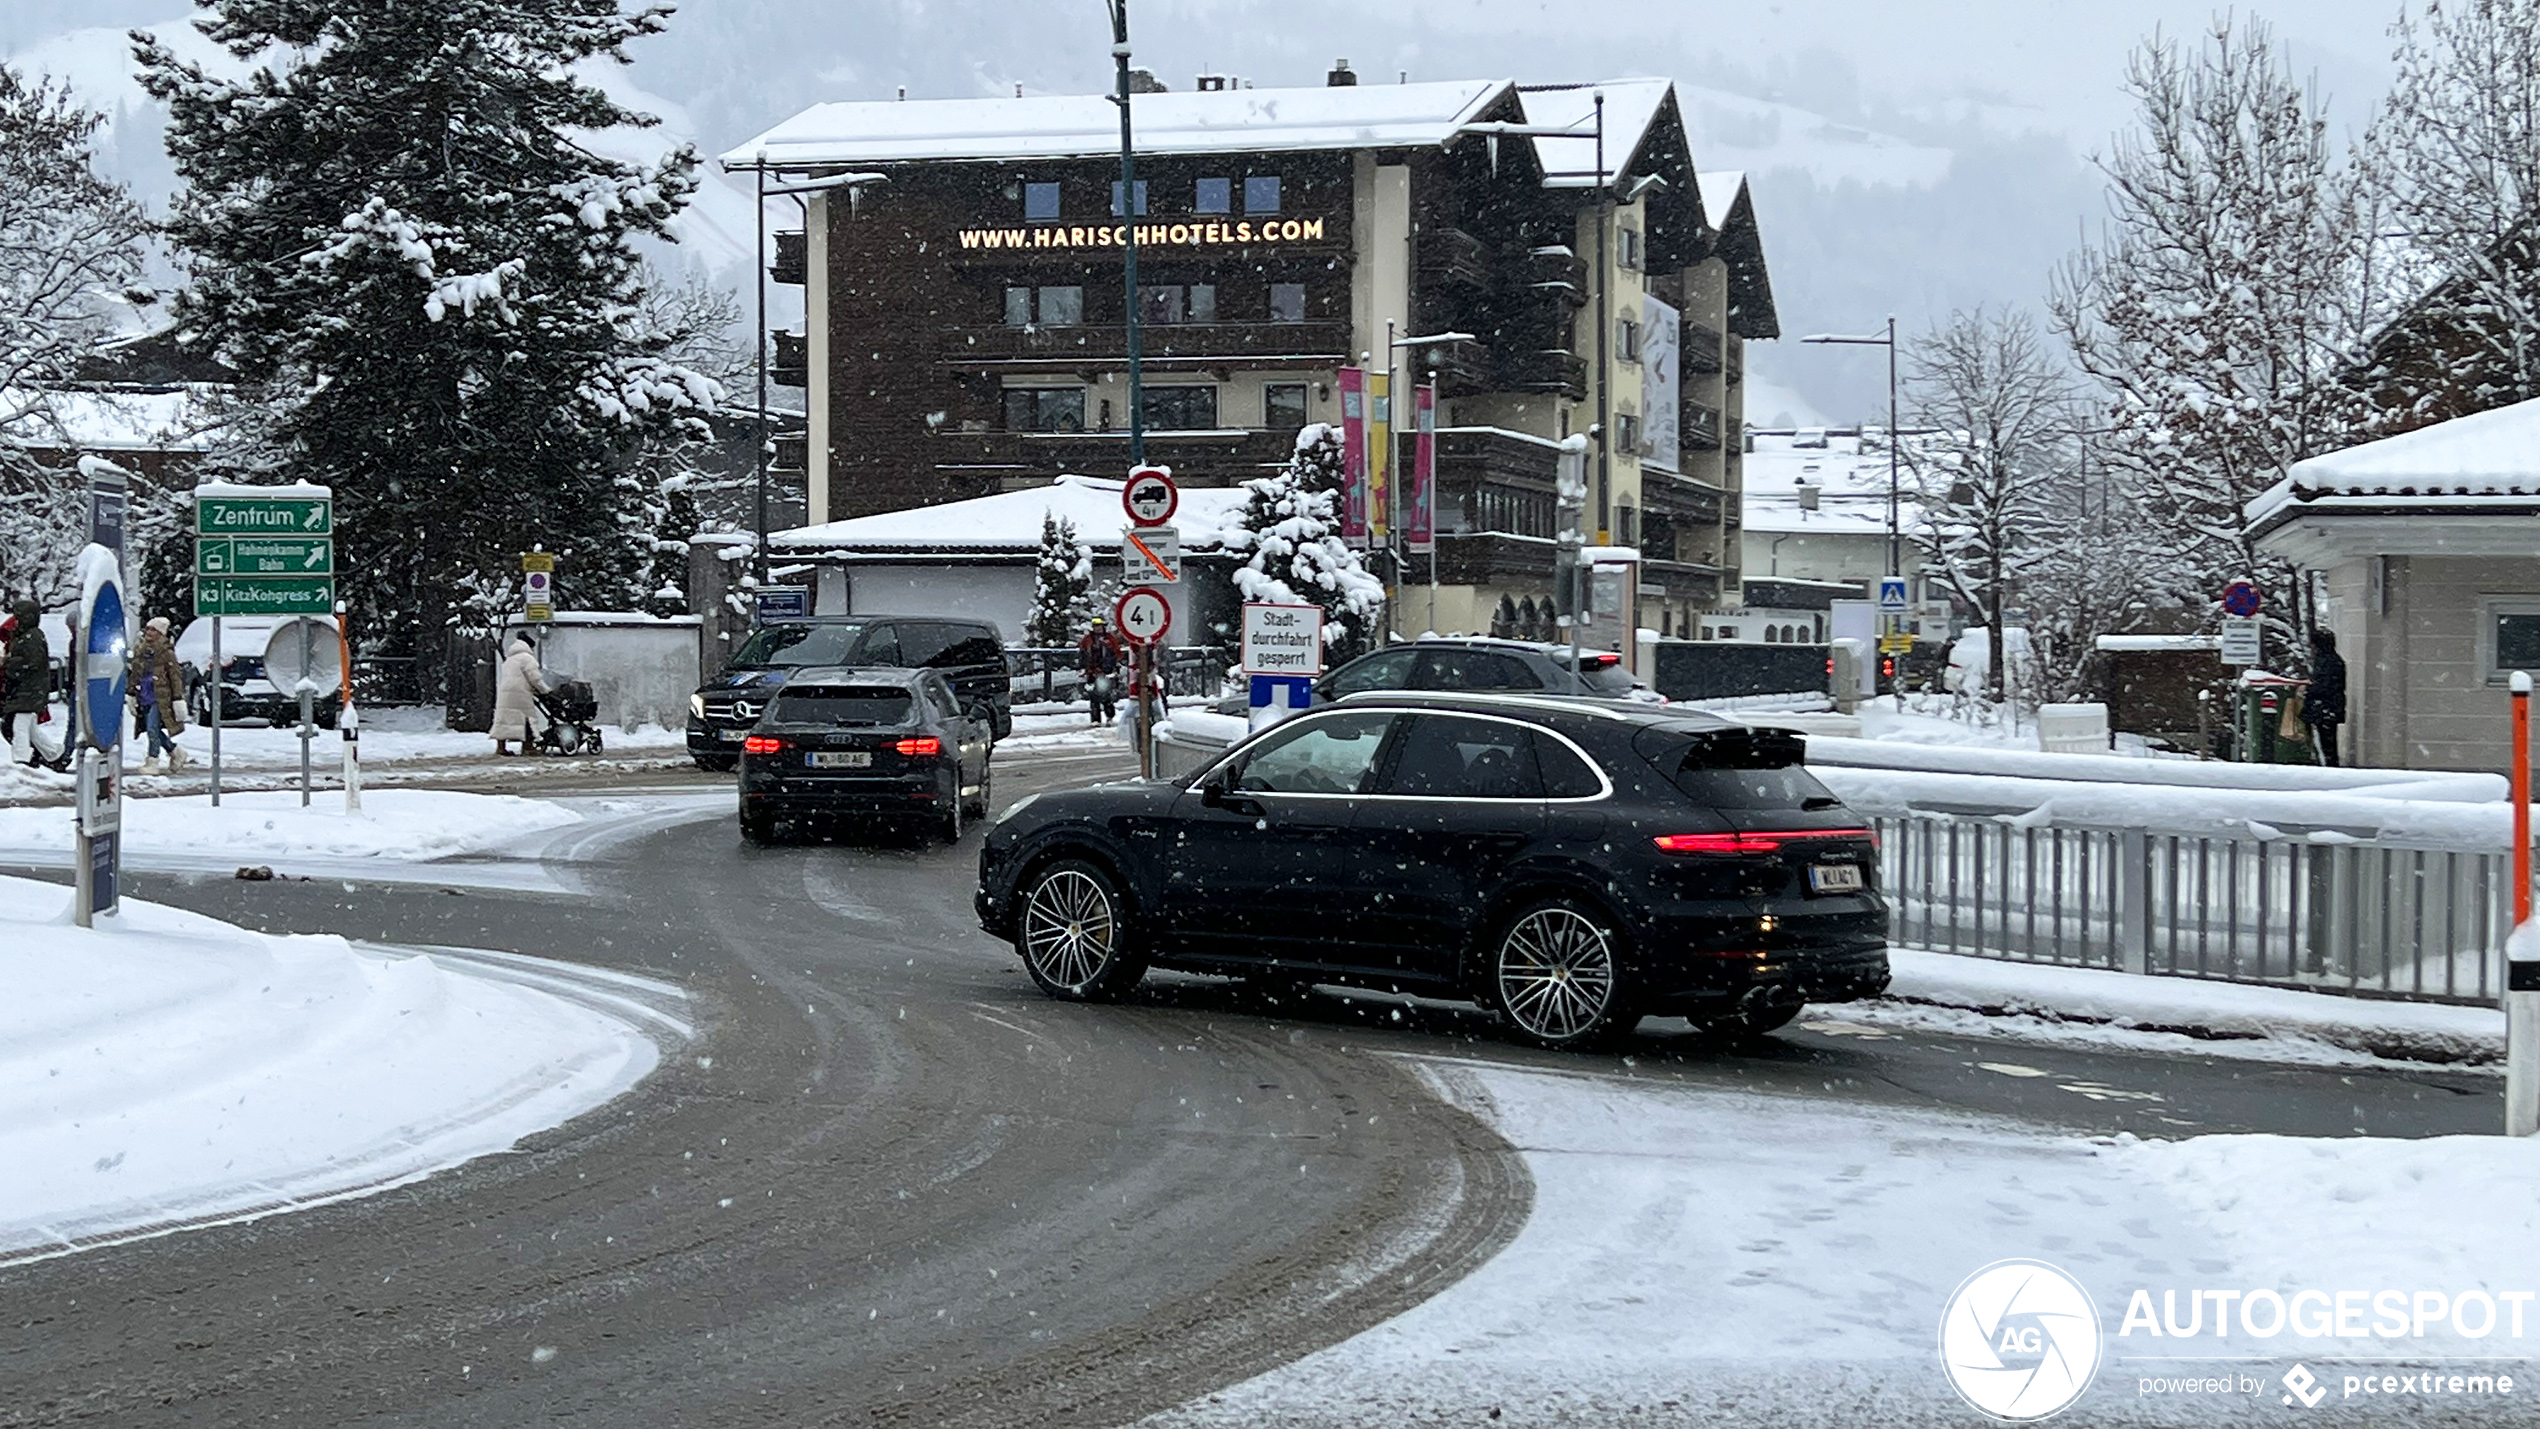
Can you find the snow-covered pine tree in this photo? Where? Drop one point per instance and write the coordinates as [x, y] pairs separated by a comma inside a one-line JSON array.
[[399, 230], [2221, 301], [1291, 526], [1062, 587], [70, 244]]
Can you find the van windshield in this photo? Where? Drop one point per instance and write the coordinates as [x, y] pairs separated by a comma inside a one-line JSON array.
[[829, 642]]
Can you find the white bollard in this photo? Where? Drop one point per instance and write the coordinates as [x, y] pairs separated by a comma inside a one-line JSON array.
[[351, 724]]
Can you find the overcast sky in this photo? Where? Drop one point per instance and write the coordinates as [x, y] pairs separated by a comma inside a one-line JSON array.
[[1987, 107]]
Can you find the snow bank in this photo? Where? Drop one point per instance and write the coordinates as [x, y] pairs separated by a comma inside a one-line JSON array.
[[1898, 749], [166, 1067], [394, 823], [2332, 816], [2407, 1031]]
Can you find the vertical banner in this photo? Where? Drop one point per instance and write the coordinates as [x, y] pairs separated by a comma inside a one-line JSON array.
[[1422, 522], [1354, 456], [1379, 458]]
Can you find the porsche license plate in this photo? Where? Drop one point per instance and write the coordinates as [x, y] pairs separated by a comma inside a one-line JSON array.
[[1834, 878], [853, 759]]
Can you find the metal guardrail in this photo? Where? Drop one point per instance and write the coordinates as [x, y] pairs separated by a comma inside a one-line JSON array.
[[1055, 672], [2425, 924]]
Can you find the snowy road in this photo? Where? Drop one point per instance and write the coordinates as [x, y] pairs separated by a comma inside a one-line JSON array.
[[893, 1181]]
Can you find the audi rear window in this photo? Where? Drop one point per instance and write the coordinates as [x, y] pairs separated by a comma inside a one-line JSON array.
[[842, 704], [1736, 769]]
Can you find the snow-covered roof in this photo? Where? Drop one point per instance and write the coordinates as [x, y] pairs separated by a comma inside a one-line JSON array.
[[1851, 487], [1630, 106], [1011, 521], [120, 421], [1720, 189], [2482, 461], [1061, 126]]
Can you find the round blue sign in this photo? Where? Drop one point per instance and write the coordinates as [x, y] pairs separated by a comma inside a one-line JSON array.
[[103, 666], [2241, 599]]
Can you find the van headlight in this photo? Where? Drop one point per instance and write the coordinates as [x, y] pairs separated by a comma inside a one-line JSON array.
[[696, 707]]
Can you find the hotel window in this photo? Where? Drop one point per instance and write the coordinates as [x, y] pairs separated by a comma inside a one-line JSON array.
[[1213, 196], [1627, 525], [1626, 433], [1062, 305], [1261, 194], [1203, 303], [1283, 406], [1040, 202], [1627, 339], [1160, 305], [1045, 409], [1627, 247], [1287, 302], [1115, 198], [1181, 409]]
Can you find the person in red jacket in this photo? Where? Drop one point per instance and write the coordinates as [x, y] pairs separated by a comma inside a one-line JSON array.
[[1098, 655]]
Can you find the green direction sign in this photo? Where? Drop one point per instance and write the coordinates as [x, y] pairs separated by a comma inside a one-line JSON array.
[[264, 556], [265, 595], [264, 516]]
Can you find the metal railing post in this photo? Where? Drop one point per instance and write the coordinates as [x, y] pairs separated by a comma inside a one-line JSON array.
[[2134, 901]]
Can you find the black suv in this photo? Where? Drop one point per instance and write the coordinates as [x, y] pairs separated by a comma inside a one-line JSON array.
[[1482, 664], [968, 652], [1573, 864]]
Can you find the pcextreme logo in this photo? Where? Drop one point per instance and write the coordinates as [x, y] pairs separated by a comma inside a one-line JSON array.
[[2020, 1340]]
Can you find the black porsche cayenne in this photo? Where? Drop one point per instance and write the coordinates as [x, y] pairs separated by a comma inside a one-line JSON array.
[[1576, 865]]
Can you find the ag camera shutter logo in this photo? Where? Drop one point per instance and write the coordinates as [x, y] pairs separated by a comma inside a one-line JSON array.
[[2020, 1340]]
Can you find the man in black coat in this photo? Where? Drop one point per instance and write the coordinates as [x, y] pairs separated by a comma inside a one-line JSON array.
[[2324, 704], [26, 687]]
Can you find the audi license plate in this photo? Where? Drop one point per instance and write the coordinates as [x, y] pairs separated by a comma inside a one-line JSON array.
[[1834, 878], [861, 759]]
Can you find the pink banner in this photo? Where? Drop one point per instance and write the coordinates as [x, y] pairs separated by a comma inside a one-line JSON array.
[[1421, 524], [1354, 456]]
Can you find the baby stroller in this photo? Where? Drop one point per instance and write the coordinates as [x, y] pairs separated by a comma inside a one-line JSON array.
[[572, 718]]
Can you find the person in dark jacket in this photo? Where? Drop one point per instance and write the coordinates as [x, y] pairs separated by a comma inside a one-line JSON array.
[[26, 687], [2324, 704], [1099, 655]]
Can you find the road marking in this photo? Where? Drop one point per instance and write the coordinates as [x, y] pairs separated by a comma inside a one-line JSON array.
[[2012, 1069], [1001, 1022]]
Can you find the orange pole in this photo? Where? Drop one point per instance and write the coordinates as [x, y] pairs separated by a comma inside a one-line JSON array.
[[2522, 798]]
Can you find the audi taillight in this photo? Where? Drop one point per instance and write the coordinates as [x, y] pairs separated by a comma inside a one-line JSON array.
[[923, 747], [1771, 841], [762, 744]]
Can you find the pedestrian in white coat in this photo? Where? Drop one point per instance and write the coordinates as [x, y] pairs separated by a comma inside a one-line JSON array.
[[516, 712]]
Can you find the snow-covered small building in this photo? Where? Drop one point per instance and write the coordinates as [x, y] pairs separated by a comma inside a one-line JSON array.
[[1815, 510], [2428, 544], [977, 558]]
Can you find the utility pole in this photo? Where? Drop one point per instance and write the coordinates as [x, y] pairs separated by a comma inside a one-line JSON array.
[[1129, 231], [1604, 357], [758, 559]]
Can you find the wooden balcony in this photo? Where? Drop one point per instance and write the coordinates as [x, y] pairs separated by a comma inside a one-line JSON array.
[[1685, 501], [1558, 272], [791, 263], [992, 461], [1452, 256], [1239, 344], [788, 359], [1549, 369], [1701, 427], [1702, 344]]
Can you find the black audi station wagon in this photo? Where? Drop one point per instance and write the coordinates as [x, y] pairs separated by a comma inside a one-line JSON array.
[[839, 743], [1575, 865]]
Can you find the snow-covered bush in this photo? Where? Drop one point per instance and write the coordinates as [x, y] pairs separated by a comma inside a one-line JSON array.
[[1291, 528]]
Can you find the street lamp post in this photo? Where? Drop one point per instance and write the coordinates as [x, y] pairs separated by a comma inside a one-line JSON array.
[[1393, 531], [1129, 231], [1895, 531]]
